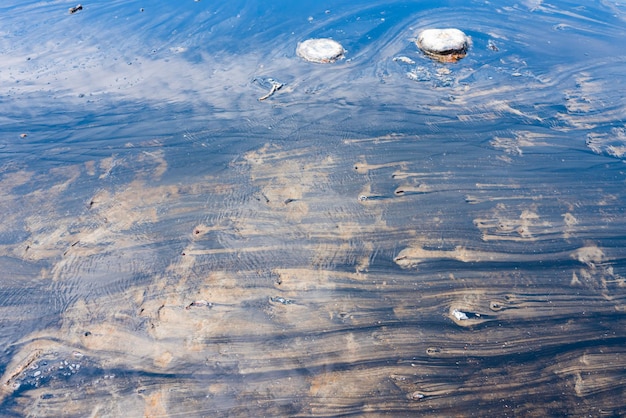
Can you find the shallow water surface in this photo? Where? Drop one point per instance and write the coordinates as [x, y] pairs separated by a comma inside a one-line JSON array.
[[385, 235]]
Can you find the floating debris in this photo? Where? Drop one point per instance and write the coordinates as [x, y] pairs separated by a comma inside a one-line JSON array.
[[76, 8], [274, 87], [443, 45], [320, 50], [405, 60]]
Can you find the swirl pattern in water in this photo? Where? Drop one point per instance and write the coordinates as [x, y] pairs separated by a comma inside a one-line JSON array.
[[199, 222]]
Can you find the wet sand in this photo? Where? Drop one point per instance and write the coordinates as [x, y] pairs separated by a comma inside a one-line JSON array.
[[278, 289]]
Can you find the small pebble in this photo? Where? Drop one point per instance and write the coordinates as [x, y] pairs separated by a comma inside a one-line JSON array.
[[416, 396], [460, 316], [282, 300], [200, 303]]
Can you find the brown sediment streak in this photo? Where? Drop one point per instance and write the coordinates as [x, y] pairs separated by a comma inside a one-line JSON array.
[[412, 256]]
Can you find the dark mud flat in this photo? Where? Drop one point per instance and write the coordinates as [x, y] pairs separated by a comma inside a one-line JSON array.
[[379, 237]]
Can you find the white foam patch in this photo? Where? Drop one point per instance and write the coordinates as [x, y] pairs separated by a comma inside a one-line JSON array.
[[441, 41], [320, 50]]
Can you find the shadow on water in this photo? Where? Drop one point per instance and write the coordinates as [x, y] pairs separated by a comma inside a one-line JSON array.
[[386, 235]]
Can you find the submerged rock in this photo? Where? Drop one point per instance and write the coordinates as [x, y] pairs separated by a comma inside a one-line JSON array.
[[320, 50], [444, 45]]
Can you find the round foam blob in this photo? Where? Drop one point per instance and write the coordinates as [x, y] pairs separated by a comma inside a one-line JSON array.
[[446, 45], [320, 50]]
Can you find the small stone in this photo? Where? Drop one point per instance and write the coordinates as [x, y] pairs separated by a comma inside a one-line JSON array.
[[282, 300], [200, 303], [416, 396], [460, 316], [320, 50], [444, 45]]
